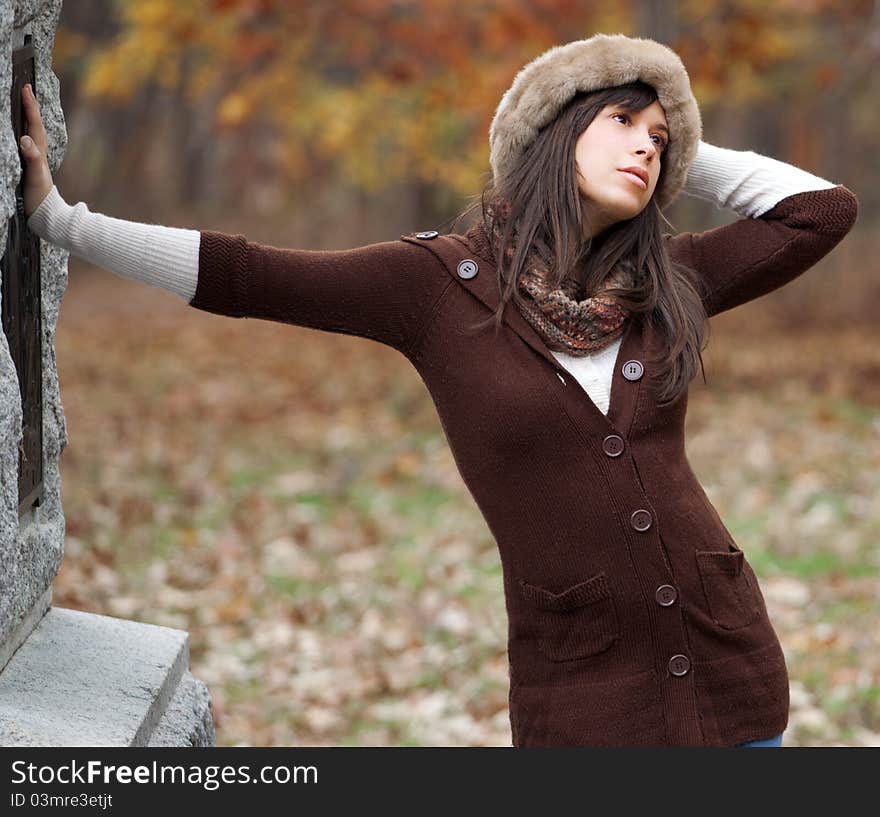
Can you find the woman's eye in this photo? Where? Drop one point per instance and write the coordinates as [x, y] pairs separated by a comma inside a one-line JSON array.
[[661, 143]]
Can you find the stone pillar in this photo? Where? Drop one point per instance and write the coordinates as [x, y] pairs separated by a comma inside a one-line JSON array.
[[67, 678]]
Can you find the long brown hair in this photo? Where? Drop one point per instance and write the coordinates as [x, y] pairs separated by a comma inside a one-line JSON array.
[[545, 211]]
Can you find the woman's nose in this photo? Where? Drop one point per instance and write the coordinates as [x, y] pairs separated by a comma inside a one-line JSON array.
[[649, 147]]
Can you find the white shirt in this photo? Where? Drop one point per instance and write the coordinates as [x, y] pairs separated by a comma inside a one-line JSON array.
[[594, 371]]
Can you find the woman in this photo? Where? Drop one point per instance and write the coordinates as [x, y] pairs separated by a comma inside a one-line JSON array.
[[634, 617]]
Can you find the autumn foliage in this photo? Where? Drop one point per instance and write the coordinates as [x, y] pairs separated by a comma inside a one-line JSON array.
[[393, 91]]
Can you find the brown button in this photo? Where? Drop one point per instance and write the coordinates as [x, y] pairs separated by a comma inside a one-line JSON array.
[[679, 664], [612, 445], [632, 369], [665, 595], [641, 519]]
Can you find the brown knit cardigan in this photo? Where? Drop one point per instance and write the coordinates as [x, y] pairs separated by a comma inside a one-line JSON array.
[[634, 618]]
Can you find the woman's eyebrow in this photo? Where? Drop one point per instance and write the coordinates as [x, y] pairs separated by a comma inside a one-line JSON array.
[[661, 126], [658, 126]]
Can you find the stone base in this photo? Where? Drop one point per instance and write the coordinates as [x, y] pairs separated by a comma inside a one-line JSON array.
[[18, 635], [82, 679]]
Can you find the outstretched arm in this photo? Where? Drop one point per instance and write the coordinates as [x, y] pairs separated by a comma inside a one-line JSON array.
[[166, 257], [791, 220], [384, 291]]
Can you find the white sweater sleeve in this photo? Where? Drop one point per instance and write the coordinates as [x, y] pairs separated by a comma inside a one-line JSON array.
[[745, 181], [166, 257]]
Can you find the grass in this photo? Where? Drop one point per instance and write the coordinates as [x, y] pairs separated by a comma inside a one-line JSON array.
[[810, 565]]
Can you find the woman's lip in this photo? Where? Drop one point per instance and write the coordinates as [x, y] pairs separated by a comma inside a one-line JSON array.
[[635, 178]]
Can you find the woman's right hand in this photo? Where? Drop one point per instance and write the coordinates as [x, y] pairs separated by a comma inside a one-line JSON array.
[[37, 176]]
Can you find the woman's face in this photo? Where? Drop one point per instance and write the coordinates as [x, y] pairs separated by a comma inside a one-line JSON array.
[[616, 139]]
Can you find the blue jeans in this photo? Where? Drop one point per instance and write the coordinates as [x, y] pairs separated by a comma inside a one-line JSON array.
[[777, 741]]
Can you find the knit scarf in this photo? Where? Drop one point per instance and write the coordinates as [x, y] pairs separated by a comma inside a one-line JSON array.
[[565, 320]]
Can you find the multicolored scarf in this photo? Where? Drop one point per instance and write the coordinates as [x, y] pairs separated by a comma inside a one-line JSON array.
[[565, 322]]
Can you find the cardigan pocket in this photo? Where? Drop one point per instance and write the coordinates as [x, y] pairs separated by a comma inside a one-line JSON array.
[[730, 595], [576, 623]]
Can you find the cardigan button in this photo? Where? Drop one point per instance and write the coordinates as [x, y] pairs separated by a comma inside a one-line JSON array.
[[641, 519], [427, 234], [632, 369], [679, 664], [665, 595], [612, 445], [467, 268]]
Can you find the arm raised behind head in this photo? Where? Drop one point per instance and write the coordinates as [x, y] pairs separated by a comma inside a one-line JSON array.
[[791, 220]]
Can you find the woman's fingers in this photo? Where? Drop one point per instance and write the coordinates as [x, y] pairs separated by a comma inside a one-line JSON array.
[[37, 182], [35, 127]]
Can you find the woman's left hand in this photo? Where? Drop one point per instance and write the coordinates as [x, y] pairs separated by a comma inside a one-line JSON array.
[[37, 175]]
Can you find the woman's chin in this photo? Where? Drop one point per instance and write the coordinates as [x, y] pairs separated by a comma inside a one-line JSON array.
[[599, 217]]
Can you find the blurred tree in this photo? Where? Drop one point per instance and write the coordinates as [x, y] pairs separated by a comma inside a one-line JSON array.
[[377, 93]]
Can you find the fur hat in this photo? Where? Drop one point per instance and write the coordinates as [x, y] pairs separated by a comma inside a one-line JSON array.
[[543, 87]]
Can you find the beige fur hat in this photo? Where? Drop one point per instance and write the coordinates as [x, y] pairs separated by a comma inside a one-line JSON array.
[[544, 86]]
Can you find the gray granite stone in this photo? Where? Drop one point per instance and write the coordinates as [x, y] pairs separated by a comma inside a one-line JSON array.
[[187, 720], [82, 679], [30, 552], [67, 678]]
